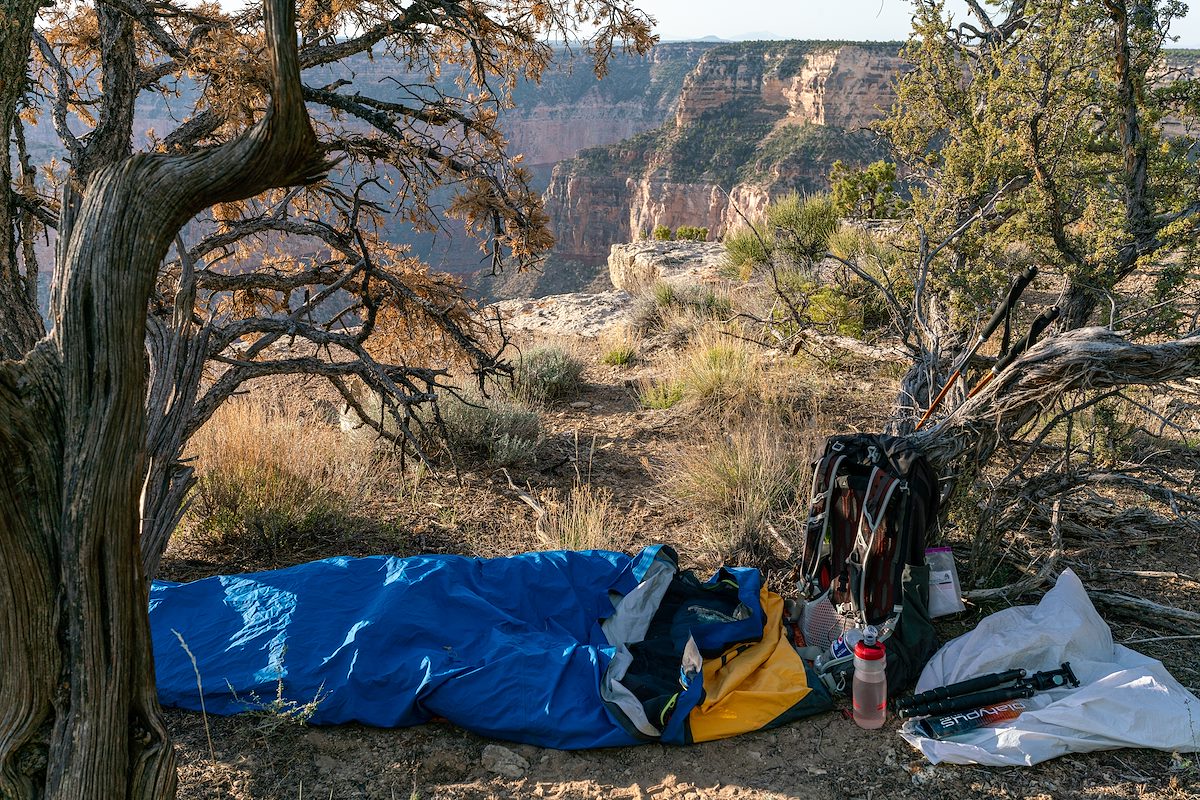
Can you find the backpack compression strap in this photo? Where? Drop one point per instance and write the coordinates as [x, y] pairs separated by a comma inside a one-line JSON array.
[[874, 555], [817, 541]]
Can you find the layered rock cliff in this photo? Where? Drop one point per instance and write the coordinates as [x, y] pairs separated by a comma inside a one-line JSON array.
[[754, 120], [570, 110]]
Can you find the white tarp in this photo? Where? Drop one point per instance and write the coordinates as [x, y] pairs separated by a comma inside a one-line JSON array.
[[1125, 699]]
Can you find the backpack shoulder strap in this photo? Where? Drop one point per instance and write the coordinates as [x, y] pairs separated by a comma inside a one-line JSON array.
[[816, 541], [880, 488]]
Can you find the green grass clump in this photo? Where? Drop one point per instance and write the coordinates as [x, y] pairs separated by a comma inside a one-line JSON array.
[[660, 394], [619, 346], [620, 355]]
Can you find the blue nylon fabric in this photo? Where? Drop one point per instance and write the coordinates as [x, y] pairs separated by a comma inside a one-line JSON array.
[[509, 648], [718, 636]]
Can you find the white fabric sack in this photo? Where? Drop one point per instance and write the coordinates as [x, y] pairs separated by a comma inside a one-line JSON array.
[[1125, 699]]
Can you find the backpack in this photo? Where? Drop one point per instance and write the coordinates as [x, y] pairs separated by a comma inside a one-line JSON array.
[[874, 498]]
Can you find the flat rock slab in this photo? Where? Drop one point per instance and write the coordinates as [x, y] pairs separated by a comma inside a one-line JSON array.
[[575, 314]]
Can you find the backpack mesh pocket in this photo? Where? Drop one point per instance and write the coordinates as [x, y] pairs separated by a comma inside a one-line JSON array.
[[822, 624]]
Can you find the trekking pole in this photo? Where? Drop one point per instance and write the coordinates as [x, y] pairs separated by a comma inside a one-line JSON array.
[[1002, 311], [989, 681], [985, 690], [1040, 323]]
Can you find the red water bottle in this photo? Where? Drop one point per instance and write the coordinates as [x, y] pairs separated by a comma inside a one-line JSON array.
[[870, 680]]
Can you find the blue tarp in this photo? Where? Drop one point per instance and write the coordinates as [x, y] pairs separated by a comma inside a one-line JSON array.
[[510, 648]]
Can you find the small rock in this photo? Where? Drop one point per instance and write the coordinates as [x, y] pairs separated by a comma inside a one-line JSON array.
[[503, 761], [580, 405], [922, 776]]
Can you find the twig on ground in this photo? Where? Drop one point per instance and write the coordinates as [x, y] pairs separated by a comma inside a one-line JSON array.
[[1148, 573], [529, 500], [1140, 607], [788, 550]]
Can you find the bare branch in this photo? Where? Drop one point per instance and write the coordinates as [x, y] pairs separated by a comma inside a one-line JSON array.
[[1086, 358]]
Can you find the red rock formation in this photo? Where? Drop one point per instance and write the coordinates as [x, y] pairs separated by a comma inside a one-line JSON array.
[[800, 98]]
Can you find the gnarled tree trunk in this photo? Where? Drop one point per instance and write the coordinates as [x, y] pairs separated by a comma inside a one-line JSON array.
[[1087, 358], [80, 718], [20, 323]]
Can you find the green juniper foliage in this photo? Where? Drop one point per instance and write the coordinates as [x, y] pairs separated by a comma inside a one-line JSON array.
[[1057, 115]]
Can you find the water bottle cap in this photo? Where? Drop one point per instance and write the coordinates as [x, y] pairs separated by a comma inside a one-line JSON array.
[[869, 649]]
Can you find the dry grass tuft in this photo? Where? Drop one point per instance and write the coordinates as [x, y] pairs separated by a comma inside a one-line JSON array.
[[745, 480], [270, 472], [584, 521], [722, 376]]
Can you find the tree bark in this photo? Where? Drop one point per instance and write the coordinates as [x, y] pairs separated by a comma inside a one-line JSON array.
[[80, 717], [20, 322], [1087, 358]]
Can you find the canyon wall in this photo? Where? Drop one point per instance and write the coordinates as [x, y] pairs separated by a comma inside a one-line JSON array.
[[754, 120]]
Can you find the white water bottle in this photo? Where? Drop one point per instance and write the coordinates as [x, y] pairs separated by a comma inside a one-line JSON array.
[[870, 680]]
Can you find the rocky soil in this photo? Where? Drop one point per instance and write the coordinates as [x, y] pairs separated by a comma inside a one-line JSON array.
[[632, 269]]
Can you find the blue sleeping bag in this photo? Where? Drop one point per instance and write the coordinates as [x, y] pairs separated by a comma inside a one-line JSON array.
[[510, 648]]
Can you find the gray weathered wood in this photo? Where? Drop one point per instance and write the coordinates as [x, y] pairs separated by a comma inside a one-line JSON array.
[[80, 718]]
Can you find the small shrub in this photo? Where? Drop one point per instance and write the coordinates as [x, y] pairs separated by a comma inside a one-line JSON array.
[[689, 233], [646, 315], [660, 394], [497, 431], [803, 226], [547, 375], [745, 251], [585, 521], [662, 233]]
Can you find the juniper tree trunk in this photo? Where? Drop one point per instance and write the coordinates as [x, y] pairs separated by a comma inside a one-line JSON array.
[[79, 717], [20, 323]]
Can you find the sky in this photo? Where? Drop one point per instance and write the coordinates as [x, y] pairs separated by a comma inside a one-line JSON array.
[[811, 19], [873, 20]]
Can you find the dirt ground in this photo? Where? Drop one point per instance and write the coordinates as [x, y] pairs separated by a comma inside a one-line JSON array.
[[628, 451]]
